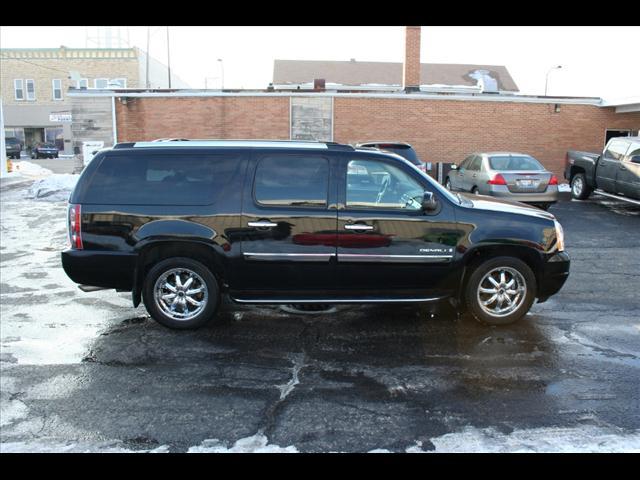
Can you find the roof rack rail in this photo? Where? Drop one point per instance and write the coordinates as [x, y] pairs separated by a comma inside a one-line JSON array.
[[339, 146], [124, 145]]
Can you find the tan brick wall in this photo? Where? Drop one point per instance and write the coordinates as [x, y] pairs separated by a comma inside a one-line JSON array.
[[43, 66], [203, 117], [411, 72], [448, 130], [440, 130]]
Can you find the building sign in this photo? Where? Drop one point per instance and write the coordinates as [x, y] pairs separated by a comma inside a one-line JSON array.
[[60, 117]]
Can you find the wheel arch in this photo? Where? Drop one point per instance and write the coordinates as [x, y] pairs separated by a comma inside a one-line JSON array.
[[154, 251], [478, 255]]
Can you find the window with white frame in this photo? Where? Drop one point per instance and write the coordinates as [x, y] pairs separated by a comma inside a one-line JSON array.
[[56, 85], [83, 83], [100, 83], [18, 87], [31, 89]]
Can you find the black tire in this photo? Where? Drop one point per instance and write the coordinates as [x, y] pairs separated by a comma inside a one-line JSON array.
[[212, 293], [474, 191], [579, 188], [471, 296]]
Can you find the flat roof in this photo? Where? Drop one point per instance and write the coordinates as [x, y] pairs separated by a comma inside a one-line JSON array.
[[473, 97]]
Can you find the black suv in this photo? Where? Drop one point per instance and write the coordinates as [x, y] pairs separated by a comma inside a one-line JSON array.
[[266, 222]]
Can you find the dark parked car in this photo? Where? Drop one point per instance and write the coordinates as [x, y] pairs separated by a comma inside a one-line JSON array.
[[615, 173], [507, 175], [401, 148], [13, 147], [44, 150], [179, 223]]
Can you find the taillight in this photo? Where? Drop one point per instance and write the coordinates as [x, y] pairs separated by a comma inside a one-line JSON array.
[[554, 180], [497, 180], [75, 224]]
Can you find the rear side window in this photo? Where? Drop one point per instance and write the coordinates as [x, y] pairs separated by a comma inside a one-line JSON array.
[[185, 179], [475, 164], [292, 181]]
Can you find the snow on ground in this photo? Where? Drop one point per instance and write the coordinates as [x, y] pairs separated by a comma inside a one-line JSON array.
[[255, 444], [587, 439], [30, 169], [53, 188], [55, 446], [564, 187]]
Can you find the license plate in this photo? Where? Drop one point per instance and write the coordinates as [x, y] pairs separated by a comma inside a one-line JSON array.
[[527, 183]]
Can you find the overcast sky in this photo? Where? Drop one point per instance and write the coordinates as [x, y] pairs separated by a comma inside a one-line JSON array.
[[596, 61]]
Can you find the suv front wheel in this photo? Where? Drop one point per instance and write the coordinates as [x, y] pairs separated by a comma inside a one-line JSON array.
[[181, 293], [500, 291]]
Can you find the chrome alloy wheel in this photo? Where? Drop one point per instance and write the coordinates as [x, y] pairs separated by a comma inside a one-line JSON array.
[[180, 293], [501, 291], [578, 186]]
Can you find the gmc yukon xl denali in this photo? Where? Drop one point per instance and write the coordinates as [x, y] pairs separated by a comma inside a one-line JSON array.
[[180, 223], [615, 173]]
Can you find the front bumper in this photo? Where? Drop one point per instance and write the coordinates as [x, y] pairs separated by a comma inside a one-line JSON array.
[[502, 191], [553, 275]]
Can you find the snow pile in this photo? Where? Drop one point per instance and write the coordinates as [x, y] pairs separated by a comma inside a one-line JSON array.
[[564, 187], [559, 440], [54, 188], [30, 169], [45, 446], [255, 444]]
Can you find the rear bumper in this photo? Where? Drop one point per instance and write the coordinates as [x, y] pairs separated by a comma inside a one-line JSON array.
[[100, 269], [554, 274], [502, 191]]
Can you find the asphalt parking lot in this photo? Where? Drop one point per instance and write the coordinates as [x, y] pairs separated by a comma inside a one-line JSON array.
[[87, 372]]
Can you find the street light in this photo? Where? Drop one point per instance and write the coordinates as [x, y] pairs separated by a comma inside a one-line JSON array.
[[222, 68], [546, 83]]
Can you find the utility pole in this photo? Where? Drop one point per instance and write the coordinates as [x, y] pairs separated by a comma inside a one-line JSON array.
[[222, 68], [147, 67], [546, 83], [168, 58]]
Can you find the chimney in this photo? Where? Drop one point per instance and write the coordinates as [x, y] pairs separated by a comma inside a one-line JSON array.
[[411, 72], [319, 84]]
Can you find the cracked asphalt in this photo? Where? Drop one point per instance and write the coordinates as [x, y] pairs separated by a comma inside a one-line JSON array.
[[88, 367]]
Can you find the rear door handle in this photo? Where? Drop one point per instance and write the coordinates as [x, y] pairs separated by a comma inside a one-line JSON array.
[[358, 226], [262, 224]]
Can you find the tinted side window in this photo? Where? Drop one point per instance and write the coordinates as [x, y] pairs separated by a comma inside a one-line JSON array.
[[185, 179], [616, 150], [292, 181], [374, 184]]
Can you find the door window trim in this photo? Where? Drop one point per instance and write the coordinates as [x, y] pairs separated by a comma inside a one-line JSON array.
[[261, 156], [342, 192]]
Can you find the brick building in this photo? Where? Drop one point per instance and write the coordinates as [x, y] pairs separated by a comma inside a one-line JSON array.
[[34, 85], [442, 125]]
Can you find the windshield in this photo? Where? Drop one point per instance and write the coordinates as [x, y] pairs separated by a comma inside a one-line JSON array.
[[506, 163]]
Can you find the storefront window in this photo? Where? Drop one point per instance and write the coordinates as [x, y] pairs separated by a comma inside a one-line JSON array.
[[54, 135]]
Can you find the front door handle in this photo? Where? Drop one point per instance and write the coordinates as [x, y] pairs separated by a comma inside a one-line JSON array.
[[358, 226], [263, 224]]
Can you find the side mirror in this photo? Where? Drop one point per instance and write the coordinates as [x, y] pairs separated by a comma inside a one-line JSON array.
[[453, 167], [635, 159], [429, 202]]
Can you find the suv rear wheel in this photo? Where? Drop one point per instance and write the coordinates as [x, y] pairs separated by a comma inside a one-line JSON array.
[[181, 293], [500, 291]]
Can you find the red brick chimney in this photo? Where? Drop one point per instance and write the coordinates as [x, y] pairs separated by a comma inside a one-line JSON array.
[[411, 72]]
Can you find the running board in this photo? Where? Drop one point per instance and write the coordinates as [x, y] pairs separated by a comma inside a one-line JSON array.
[[90, 288], [355, 300], [617, 197]]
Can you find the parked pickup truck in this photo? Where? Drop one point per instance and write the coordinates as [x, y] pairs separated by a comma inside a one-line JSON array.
[[615, 173]]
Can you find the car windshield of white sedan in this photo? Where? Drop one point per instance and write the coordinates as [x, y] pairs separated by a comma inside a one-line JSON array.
[[514, 162]]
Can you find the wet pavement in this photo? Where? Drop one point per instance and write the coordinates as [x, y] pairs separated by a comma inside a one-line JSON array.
[[89, 369]]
